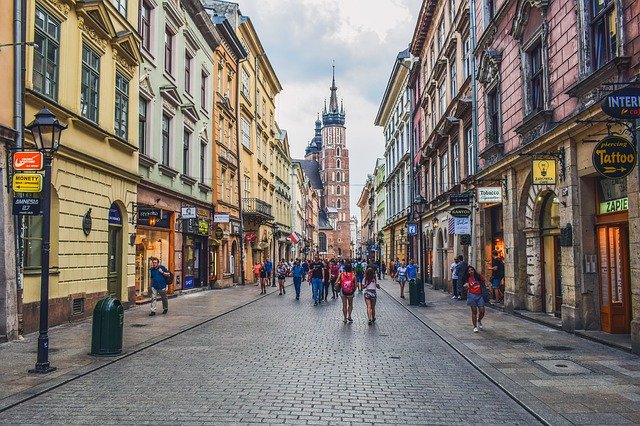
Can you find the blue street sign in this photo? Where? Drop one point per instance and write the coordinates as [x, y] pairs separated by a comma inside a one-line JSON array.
[[412, 229]]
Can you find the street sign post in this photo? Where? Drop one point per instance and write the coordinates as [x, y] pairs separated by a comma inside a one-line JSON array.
[[27, 160], [23, 206], [27, 182]]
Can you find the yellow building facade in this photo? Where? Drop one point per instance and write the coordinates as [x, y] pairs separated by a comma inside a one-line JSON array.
[[85, 70]]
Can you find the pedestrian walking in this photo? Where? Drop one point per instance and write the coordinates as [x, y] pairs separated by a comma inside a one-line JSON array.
[[460, 270], [305, 266], [268, 265], [454, 279], [370, 295], [264, 280], [347, 283], [159, 275], [316, 275], [383, 269], [401, 273], [256, 272], [412, 271], [474, 283], [298, 272], [282, 274], [359, 274], [326, 276], [497, 274], [334, 272]]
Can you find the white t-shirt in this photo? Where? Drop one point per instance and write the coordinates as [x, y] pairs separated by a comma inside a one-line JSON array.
[[371, 285], [402, 273], [454, 275]]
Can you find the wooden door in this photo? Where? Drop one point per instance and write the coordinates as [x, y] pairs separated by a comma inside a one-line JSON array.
[[613, 263], [113, 263]]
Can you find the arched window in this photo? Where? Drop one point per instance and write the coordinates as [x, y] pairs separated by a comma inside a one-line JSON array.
[[338, 177], [322, 242], [339, 252], [338, 190], [338, 151], [338, 163], [338, 203]]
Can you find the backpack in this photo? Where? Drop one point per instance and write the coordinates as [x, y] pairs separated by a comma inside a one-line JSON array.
[[359, 269], [348, 285], [169, 279]]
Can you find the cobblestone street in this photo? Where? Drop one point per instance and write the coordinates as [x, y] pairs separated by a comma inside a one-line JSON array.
[[282, 361]]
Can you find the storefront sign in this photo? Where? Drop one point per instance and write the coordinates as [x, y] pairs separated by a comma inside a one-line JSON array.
[[459, 199], [544, 172], [461, 212], [250, 236], [465, 239], [27, 160], [153, 217], [27, 206], [412, 229], [235, 228], [221, 217], [188, 282], [219, 233], [202, 212], [490, 194], [622, 103], [614, 157], [461, 225], [613, 206], [115, 218], [203, 227], [87, 223], [188, 212], [27, 182]]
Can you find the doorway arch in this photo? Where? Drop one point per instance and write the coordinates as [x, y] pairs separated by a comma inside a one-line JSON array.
[[114, 250], [550, 253]]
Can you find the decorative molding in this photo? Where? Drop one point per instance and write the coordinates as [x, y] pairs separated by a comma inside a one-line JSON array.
[[168, 107], [145, 86], [92, 35], [61, 6], [124, 64], [489, 67], [522, 15]]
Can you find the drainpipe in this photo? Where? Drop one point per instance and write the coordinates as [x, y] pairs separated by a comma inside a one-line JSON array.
[[474, 109], [239, 173]]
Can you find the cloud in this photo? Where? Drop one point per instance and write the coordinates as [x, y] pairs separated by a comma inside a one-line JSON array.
[[303, 37]]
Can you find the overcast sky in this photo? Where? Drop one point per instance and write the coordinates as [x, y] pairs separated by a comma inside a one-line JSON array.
[[303, 37]]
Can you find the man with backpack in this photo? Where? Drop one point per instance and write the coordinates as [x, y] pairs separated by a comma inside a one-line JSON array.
[[159, 276], [316, 275], [359, 273], [461, 268]]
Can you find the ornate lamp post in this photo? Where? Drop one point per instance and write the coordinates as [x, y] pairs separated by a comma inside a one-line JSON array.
[[419, 205], [46, 130]]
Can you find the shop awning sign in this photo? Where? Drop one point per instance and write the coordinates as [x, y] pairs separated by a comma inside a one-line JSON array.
[[461, 212], [490, 194], [623, 103], [614, 157], [544, 171]]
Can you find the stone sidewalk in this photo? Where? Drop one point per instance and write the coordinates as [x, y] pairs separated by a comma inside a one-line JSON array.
[[564, 378], [70, 344]]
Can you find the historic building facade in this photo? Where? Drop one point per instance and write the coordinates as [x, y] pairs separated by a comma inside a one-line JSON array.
[[329, 149]]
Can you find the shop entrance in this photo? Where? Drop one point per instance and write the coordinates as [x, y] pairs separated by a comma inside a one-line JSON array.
[[114, 252], [613, 262], [232, 261], [550, 255]]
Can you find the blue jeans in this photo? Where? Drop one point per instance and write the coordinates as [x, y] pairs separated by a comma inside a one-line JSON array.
[[316, 285], [297, 281]]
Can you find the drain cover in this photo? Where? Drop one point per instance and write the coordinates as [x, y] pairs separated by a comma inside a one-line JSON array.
[[394, 357], [557, 348], [520, 340], [562, 366], [138, 325]]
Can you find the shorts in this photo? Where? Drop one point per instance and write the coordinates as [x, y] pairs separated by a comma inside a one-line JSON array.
[[495, 282], [475, 300], [347, 294], [281, 277], [370, 294]]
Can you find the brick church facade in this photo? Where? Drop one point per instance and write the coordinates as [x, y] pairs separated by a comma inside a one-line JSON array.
[[329, 148]]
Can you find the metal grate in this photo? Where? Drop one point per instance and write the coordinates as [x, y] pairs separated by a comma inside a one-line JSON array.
[[78, 306]]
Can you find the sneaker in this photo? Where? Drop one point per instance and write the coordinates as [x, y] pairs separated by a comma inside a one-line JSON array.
[[279, 294], [374, 320], [152, 314], [454, 297], [349, 319], [370, 322], [297, 297], [164, 311], [475, 329], [480, 325], [315, 304], [284, 291]]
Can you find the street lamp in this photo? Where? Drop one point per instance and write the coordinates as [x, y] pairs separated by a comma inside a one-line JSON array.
[[435, 223], [274, 228], [419, 205], [46, 130]]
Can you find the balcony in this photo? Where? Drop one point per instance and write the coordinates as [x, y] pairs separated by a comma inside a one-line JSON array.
[[257, 211]]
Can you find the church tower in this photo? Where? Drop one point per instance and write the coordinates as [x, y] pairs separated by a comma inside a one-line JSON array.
[[329, 148]]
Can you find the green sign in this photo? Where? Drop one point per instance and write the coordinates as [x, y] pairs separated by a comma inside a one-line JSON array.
[[613, 206], [219, 233]]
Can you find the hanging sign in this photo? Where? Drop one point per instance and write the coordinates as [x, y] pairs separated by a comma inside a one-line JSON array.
[[203, 227], [460, 212], [27, 182], [412, 229], [27, 206], [465, 239], [544, 172], [219, 233], [115, 218], [221, 217], [622, 103], [490, 194], [27, 160], [462, 225], [614, 157], [613, 206], [188, 212], [459, 199]]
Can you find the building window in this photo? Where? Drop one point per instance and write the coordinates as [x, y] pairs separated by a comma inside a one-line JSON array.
[[493, 119], [145, 25], [258, 145], [338, 151], [338, 190], [471, 165], [187, 72], [246, 133], [166, 128], [490, 7], [442, 98], [122, 106], [264, 107], [338, 203], [454, 77], [33, 242], [466, 54], [444, 172], [186, 145], [452, 10], [121, 5], [441, 34], [322, 242], [219, 79], [247, 187], [604, 36], [203, 90], [535, 77], [90, 84], [45, 54], [338, 177], [168, 51], [220, 129], [203, 162], [338, 163], [434, 178], [455, 162], [245, 83], [142, 125]]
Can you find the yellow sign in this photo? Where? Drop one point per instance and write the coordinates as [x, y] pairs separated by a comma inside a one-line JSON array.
[[544, 172], [27, 182]]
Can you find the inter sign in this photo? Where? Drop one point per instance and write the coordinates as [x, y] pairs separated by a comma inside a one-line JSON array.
[[623, 103]]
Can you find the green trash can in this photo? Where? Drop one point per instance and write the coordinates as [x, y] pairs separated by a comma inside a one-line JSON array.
[[414, 292], [106, 331]]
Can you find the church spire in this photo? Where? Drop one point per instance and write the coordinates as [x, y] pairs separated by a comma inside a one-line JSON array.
[[333, 102]]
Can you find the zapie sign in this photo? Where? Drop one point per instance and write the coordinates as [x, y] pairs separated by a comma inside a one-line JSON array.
[[622, 103]]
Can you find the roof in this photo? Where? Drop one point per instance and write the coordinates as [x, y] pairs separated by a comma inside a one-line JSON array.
[[394, 84], [323, 221], [311, 170]]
